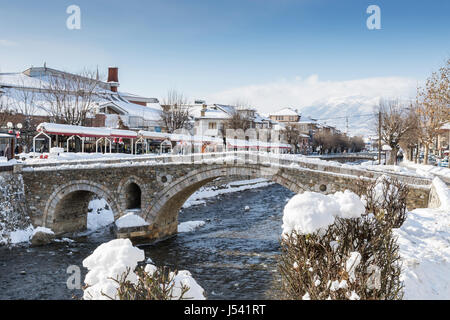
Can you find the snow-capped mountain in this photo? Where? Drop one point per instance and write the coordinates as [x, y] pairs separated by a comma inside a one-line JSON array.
[[360, 111]]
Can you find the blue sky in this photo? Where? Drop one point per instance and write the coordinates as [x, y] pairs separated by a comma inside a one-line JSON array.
[[204, 47]]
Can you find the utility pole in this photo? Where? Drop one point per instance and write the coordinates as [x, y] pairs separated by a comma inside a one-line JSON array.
[[379, 137], [346, 125]]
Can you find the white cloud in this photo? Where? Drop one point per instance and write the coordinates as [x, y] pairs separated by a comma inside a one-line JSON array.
[[301, 92], [7, 43]]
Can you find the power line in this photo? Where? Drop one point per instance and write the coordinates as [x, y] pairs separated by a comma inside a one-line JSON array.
[[355, 116]]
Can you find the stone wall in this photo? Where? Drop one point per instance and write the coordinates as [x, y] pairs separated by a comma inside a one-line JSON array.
[[57, 197], [13, 210]]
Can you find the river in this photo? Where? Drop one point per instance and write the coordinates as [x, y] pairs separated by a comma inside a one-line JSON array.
[[233, 256]]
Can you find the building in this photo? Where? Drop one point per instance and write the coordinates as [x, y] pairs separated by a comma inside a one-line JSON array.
[[30, 93], [285, 115]]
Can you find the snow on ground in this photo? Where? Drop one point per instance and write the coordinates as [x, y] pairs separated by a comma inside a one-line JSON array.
[[25, 235], [424, 241], [130, 220], [19, 236], [99, 214], [235, 186], [427, 170], [112, 259], [190, 226]]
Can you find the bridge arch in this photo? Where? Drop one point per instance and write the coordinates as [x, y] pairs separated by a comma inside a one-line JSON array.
[[132, 194], [163, 211], [67, 207]]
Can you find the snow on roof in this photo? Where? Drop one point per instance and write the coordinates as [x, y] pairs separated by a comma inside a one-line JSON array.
[[20, 80], [226, 108], [285, 112], [307, 120], [210, 113], [218, 140], [64, 129], [136, 97], [149, 112]]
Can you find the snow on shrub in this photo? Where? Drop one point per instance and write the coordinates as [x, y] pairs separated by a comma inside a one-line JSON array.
[[109, 261], [114, 275], [310, 211], [337, 247], [183, 279]]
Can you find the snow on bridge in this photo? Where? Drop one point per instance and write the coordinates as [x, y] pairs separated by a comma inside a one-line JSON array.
[[156, 187]]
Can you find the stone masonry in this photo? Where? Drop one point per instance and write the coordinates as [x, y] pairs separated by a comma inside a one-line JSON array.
[[57, 195]]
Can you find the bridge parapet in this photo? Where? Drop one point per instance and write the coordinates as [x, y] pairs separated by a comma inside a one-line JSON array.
[[57, 193]]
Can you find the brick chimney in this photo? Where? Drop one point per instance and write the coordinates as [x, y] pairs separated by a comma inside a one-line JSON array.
[[203, 111], [113, 78]]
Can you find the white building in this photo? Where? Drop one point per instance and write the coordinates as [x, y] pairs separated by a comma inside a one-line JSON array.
[[34, 84]]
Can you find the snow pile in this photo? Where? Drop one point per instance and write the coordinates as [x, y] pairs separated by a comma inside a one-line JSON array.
[[22, 235], [99, 214], [190, 226], [443, 193], [110, 260], [425, 252], [43, 230], [25, 235], [310, 211], [130, 220], [350, 204], [425, 249], [114, 258]]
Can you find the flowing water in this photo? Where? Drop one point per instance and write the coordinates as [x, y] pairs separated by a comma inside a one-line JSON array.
[[233, 256]]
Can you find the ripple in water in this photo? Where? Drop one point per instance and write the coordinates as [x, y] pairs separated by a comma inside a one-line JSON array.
[[233, 256]]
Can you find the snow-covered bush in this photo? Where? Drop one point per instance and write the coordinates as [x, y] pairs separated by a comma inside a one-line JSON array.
[[114, 275], [334, 249], [385, 199], [159, 284]]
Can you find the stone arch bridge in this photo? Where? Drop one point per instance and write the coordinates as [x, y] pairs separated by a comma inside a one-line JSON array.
[[57, 194]]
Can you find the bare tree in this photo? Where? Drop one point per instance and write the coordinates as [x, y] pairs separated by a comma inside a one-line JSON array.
[[238, 121], [356, 144], [395, 123], [330, 142], [410, 140], [24, 102], [5, 110], [292, 135], [71, 97], [176, 112], [433, 104]]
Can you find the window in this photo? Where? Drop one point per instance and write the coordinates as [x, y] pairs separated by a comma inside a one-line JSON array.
[[212, 125]]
